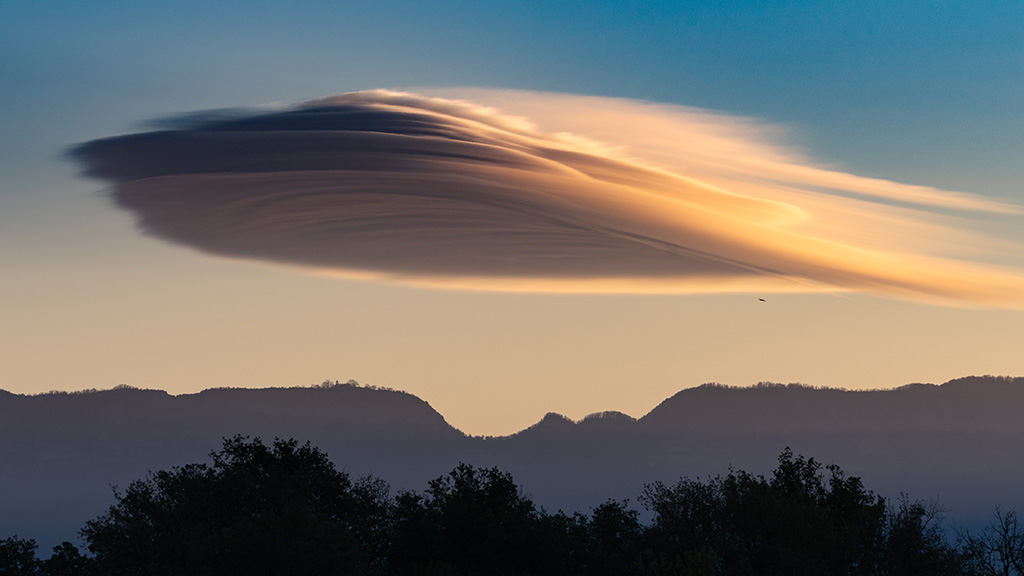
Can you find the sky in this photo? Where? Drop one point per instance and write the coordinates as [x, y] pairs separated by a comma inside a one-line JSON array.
[[594, 197]]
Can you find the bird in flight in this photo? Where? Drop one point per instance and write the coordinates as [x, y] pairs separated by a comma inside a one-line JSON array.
[[760, 299]]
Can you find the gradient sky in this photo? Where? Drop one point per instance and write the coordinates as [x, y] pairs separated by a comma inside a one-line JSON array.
[[908, 92]]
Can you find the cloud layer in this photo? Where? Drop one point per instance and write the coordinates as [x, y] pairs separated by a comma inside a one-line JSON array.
[[587, 195]]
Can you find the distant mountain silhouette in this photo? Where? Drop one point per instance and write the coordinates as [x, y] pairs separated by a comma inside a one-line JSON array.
[[962, 442]]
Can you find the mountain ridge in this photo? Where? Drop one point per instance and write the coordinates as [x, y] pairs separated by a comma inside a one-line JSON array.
[[228, 398], [962, 441]]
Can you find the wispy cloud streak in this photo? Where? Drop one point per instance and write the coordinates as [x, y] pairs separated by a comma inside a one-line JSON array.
[[575, 194]]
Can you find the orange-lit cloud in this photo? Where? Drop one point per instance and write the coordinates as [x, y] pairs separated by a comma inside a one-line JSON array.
[[574, 194]]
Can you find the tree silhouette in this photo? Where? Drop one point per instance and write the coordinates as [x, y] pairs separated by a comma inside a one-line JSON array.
[[999, 549], [258, 509], [67, 561], [285, 509], [614, 542], [794, 522], [914, 541], [18, 557], [471, 521]]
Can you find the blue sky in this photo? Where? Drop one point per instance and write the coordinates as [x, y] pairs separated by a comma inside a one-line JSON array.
[[915, 92]]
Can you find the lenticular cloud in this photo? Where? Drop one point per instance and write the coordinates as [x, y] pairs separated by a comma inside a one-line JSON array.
[[584, 195]]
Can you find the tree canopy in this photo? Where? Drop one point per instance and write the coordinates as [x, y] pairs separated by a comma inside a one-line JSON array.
[[258, 509], [284, 508]]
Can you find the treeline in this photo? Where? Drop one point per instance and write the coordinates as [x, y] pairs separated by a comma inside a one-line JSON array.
[[285, 509]]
